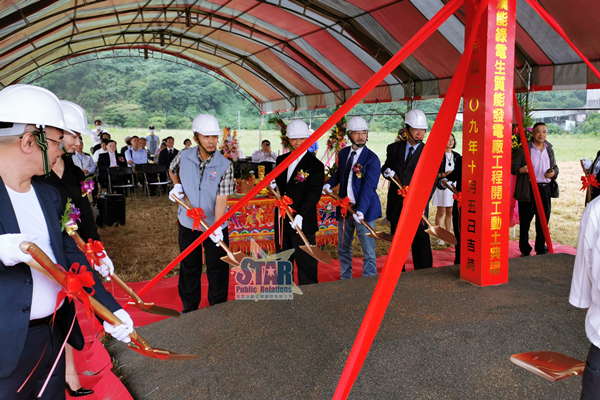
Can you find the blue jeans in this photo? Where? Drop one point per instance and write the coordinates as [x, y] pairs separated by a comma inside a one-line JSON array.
[[346, 238]]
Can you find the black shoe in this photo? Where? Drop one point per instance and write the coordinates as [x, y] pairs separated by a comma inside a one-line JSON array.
[[187, 310], [79, 392], [525, 255]]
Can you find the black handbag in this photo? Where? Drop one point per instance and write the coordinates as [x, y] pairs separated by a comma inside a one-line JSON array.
[[554, 190]]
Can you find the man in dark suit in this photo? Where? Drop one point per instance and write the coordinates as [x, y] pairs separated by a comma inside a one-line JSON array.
[[303, 183], [358, 176], [108, 160], [31, 211], [401, 160], [167, 155]]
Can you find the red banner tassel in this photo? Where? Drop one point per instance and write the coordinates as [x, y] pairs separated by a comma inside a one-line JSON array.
[[403, 192], [343, 204], [197, 214], [283, 205], [587, 181], [458, 198]]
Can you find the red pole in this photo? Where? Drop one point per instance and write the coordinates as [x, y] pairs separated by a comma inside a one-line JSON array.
[[431, 26], [536, 190], [410, 218]]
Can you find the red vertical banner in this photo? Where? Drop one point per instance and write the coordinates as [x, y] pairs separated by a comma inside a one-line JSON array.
[[487, 106]]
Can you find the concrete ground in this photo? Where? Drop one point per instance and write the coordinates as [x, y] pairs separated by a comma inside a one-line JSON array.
[[441, 338]]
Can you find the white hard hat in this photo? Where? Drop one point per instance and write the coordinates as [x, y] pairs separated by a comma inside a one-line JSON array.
[[75, 117], [297, 129], [416, 119], [27, 104], [357, 124], [206, 125]]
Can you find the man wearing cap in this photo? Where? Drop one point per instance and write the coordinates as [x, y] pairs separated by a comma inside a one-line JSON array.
[[152, 140], [265, 153], [358, 176], [303, 183], [205, 176], [401, 160], [31, 132]]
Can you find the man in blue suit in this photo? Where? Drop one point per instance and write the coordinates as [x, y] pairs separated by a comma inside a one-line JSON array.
[[31, 132], [357, 175]]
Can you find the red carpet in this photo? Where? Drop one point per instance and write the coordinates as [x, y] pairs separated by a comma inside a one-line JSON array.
[[94, 365]]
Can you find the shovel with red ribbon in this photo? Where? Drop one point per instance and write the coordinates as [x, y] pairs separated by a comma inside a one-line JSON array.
[[435, 231], [372, 233], [314, 251], [197, 214], [43, 264], [91, 249], [456, 194], [588, 181]]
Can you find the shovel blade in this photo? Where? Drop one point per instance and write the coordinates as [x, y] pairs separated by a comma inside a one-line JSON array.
[[442, 234], [317, 253], [549, 365], [157, 310], [381, 236], [160, 354], [232, 261]]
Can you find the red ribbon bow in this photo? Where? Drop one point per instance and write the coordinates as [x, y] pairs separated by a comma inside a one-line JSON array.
[[403, 192], [197, 214], [458, 198], [343, 204], [94, 251], [283, 204], [76, 281], [587, 181]]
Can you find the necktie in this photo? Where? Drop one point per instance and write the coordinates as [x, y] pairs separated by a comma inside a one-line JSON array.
[[344, 189], [409, 156]]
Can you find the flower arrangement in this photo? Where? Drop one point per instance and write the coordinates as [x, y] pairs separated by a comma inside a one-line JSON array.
[[230, 147], [357, 169], [87, 186], [329, 171], [402, 135], [337, 138], [282, 131], [301, 177], [516, 137], [70, 217]]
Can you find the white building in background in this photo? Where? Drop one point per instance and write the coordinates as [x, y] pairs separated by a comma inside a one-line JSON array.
[[569, 119]]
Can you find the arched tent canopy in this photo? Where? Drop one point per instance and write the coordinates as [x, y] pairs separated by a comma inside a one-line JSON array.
[[295, 54]]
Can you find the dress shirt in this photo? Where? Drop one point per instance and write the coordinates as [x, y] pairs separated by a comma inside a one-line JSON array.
[[138, 157], [585, 284], [113, 159], [408, 146], [153, 142], [350, 191], [84, 161], [260, 156], [292, 168], [97, 154], [541, 162]]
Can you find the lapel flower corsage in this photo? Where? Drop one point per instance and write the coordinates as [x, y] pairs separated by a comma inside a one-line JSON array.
[[87, 187], [301, 177], [357, 169], [70, 217], [121, 159]]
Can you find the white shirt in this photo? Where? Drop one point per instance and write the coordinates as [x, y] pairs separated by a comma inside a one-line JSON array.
[[350, 191], [260, 156], [291, 171], [585, 290], [32, 222], [97, 154], [84, 162]]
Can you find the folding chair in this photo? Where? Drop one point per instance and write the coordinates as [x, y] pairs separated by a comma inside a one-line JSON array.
[[158, 170], [124, 173]]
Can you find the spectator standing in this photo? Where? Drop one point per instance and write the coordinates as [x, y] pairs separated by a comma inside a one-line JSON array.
[[442, 197], [153, 140], [546, 170], [358, 176]]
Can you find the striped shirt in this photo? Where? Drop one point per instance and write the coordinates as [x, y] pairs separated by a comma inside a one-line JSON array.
[[227, 183]]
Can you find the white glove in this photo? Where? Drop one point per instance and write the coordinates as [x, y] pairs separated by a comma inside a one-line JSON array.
[[177, 191], [120, 332], [388, 173], [273, 184], [106, 267], [358, 217], [10, 253], [326, 188], [587, 163], [297, 222], [217, 236]]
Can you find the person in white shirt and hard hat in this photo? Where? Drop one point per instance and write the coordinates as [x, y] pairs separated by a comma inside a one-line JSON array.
[[303, 183], [205, 176]]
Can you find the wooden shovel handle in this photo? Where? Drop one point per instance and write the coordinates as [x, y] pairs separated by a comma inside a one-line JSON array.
[[452, 188], [289, 215], [336, 197]]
